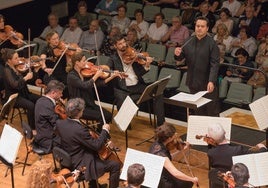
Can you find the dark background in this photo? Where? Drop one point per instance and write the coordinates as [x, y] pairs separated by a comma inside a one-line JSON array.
[[34, 14]]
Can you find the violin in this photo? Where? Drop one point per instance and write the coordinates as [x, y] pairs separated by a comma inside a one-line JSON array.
[[15, 38], [130, 55], [107, 151], [90, 70], [207, 139], [176, 143], [68, 49], [22, 65], [228, 178], [60, 109]]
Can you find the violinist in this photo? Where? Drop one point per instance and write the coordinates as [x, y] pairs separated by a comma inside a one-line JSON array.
[[83, 148], [134, 84], [80, 86], [171, 176], [240, 175], [55, 69], [16, 82], [220, 156], [46, 117]]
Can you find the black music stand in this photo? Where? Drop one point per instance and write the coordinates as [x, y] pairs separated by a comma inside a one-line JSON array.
[[9, 166], [152, 91]]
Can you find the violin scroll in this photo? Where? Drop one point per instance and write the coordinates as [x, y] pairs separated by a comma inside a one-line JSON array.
[[207, 139]]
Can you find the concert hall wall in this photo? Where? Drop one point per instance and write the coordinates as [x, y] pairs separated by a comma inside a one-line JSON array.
[[34, 14]]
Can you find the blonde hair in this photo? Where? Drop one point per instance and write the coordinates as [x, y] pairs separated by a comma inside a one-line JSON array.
[[40, 174]]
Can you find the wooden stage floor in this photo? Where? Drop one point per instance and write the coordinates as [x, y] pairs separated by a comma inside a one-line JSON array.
[[141, 129]]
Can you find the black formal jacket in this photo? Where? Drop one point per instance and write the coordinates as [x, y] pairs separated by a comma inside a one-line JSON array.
[[82, 88], [45, 123], [115, 64], [76, 140], [202, 58]]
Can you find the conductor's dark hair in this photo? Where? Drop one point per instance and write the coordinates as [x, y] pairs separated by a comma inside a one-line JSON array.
[[202, 18], [240, 173]]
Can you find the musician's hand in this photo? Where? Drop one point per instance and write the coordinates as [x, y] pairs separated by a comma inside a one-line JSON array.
[[260, 145], [106, 127], [177, 51], [187, 145], [195, 180], [28, 76], [49, 71]]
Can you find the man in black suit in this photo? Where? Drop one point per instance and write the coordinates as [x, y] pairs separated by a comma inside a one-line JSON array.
[[133, 85], [45, 116], [202, 57], [83, 148]]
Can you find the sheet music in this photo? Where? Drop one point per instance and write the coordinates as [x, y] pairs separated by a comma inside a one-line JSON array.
[[257, 165], [125, 114], [188, 97], [259, 110], [153, 165], [198, 125], [10, 143]]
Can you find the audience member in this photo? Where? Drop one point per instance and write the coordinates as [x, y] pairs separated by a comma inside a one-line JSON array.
[[171, 176], [135, 175], [45, 116], [164, 3], [121, 20], [107, 7], [258, 79], [83, 148], [262, 54], [262, 32], [225, 18], [220, 156], [235, 74], [139, 24], [246, 41], [157, 29], [249, 3], [232, 5], [223, 37], [53, 22], [107, 47], [204, 12], [83, 17], [92, 39], [73, 33], [251, 21], [132, 40], [176, 34]]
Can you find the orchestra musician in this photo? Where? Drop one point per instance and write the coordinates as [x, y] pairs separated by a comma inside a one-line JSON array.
[[220, 156], [83, 148], [171, 177], [55, 70], [240, 175], [45, 116], [16, 82], [133, 85], [80, 86], [135, 175]]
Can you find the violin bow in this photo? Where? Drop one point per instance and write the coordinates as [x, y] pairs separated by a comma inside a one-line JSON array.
[[29, 50], [188, 166], [62, 54]]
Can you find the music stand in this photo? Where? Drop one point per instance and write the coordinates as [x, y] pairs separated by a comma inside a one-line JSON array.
[[152, 91], [9, 166]]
